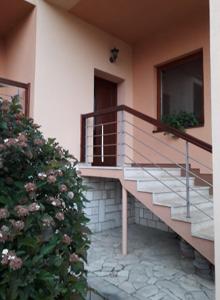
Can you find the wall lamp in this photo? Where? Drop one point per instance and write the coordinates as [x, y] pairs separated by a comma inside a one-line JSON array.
[[114, 55]]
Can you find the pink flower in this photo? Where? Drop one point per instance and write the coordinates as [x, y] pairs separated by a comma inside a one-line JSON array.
[[42, 176], [2, 147], [21, 211], [59, 173], [51, 199], [22, 137], [33, 207], [3, 213], [3, 237], [63, 188], [4, 260], [19, 116], [70, 195], [39, 142], [66, 239], [30, 187], [48, 221], [51, 179], [59, 216], [5, 106], [16, 263], [18, 225], [6, 256], [73, 258], [10, 142], [56, 202]]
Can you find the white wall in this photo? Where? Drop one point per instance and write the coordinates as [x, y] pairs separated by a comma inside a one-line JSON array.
[[67, 52], [215, 91]]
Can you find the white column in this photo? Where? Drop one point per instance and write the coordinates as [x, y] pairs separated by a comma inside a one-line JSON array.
[[124, 221], [215, 96]]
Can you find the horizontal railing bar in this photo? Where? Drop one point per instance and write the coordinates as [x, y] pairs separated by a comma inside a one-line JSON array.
[[166, 144], [100, 135], [104, 124], [192, 204], [170, 174], [99, 155], [166, 157], [107, 145], [185, 136]]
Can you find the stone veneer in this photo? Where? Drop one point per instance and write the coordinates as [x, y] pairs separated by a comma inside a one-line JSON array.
[[104, 207], [143, 216]]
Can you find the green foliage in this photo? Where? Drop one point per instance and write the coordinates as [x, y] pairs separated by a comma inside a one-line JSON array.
[[43, 233], [181, 120]]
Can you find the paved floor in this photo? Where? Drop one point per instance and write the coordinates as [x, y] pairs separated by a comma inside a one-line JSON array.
[[153, 269]]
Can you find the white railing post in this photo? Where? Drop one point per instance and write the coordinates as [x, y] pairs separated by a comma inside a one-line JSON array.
[[102, 143], [187, 181], [124, 221], [86, 141], [121, 140]]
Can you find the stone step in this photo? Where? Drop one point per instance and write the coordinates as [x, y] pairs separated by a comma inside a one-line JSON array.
[[163, 197], [204, 230], [176, 201], [136, 173], [166, 181], [198, 212]]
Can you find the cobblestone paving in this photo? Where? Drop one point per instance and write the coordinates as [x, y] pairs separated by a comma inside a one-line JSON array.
[[153, 269]]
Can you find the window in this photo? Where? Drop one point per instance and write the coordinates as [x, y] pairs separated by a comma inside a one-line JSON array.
[[180, 88]]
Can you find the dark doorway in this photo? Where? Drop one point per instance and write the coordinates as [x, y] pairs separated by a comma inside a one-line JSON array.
[[105, 132]]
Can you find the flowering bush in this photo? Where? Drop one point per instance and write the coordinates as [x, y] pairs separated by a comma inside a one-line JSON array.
[[43, 233]]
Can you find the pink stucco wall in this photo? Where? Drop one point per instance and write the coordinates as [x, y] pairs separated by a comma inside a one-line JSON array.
[[17, 52], [68, 54], [163, 47]]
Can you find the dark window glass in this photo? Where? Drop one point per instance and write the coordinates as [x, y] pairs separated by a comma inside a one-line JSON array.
[[181, 87]]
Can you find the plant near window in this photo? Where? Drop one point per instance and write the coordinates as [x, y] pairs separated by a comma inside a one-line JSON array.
[[43, 233], [181, 120]]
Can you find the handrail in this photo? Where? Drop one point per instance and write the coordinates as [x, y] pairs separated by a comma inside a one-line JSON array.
[[25, 86], [164, 127]]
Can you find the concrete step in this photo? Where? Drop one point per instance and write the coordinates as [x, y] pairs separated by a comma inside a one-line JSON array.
[[198, 212], [134, 173], [166, 181], [204, 230]]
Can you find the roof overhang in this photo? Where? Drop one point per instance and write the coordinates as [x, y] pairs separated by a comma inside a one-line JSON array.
[[133, 20]]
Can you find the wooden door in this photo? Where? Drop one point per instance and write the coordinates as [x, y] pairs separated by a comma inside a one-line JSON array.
[[105, 150]]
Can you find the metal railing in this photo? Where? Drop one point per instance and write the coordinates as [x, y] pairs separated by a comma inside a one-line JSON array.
[[138, 142]]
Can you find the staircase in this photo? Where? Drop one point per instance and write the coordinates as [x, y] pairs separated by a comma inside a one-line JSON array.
[[166, 177], [201, 208]]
